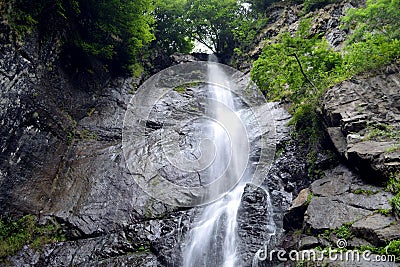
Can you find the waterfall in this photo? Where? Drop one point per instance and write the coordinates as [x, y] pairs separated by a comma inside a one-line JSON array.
[[213, 239]]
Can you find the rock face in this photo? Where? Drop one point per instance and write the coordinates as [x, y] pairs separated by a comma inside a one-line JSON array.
[[363, 120], [342, 207], [341, 197], [254, 220], [61, 158], [293, 218]]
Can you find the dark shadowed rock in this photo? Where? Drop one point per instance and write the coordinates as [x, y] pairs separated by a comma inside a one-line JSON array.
[[254, 223], [294, 216]]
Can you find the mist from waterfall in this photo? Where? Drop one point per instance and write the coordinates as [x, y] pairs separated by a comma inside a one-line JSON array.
[[213, 239]]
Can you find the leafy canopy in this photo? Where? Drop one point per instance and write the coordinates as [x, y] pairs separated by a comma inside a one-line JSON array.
[[113, 31], [171, 31], [211, 22]]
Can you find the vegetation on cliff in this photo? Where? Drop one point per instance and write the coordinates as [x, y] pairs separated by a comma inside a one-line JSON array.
[[14, 234], [300, 68], [122, 34]]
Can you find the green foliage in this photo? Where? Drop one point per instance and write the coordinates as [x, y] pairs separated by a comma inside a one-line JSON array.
[[395, 202], [182, 88], [25, 231], [309, 197], [278, 74], [14, 235], [307, 124], [87, 135], [171, 30], [382, 132], [143, 248], [365, 192], [90, 111], [385, 212], [393, 148], [374, 51], [393, 185], [375, 38], [344, 231], [24, 15], [114, 31], [326, 235], [245, 32], [211, 22], [380, 17], [392, 248]]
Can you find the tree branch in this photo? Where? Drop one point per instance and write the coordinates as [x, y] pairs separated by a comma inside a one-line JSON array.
[[304, 74]]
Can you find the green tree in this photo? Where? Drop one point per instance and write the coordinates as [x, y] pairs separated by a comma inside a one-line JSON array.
[[211, 22], [293, 66], [112, 31], [171, 32], [115, 31]]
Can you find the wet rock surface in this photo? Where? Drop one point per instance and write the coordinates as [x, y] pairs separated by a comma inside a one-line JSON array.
[[61, 157], [62, 151], [363, 120], [254, 223]]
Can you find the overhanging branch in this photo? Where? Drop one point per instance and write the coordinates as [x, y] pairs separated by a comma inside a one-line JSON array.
[[304, 74]]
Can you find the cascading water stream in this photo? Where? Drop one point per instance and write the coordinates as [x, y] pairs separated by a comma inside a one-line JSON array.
[[213, 239]]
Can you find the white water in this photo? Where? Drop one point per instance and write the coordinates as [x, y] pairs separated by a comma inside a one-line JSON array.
[[212, 242]]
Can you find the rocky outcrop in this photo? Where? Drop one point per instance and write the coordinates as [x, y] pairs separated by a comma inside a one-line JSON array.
[[294, 216], [255, 229], [341, 198], [343, 211], [363, 119]]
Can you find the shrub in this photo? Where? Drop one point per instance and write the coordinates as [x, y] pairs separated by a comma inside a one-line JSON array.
[[14, 235]]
